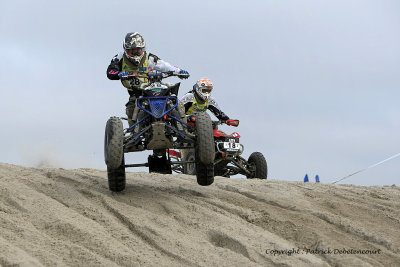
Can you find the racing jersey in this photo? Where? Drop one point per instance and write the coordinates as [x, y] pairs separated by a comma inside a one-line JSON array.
[[150, 62], [191, 105]]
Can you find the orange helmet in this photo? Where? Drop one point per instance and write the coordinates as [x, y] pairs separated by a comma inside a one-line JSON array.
[[203, 89]]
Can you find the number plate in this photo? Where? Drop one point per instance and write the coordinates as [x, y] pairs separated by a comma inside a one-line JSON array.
[[231, 146]]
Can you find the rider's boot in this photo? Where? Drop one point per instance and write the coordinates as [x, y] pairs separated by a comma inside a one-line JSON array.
[[130, 108], [181, 110]]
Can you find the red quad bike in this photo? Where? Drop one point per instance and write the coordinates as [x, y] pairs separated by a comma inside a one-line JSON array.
[[228, 161]]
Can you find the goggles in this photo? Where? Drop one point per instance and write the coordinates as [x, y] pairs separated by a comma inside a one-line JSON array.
[[206, 90], [135, 51]]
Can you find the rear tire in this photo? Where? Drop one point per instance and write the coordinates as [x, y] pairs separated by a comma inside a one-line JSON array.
[[113, 143], [258, 166], [159, 164], [205, 149], [117, 177]]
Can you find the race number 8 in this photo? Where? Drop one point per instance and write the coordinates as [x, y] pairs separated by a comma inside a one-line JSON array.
[[136, 81]]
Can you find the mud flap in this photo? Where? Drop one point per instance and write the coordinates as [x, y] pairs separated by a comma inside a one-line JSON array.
[[159, 164]]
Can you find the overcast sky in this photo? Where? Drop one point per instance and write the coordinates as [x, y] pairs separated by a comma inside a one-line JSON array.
[[315, 84]]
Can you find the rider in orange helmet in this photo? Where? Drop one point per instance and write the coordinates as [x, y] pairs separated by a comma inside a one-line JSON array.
[[199, 99]]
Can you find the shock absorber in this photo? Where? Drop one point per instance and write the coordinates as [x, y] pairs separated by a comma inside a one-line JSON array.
[[135, 112]]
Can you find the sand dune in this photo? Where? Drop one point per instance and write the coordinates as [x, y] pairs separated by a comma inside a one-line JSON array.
[[58, 217]]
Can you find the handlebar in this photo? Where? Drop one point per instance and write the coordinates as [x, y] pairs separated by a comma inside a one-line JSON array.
[[234, 123], [152, 75]]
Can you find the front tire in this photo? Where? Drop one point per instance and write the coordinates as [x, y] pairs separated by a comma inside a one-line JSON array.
[[113, 143], [117, 177], [257, 166], [205, 149], [204, 173]]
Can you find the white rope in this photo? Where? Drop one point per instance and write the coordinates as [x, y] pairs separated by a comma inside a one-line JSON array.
[[374, 165]]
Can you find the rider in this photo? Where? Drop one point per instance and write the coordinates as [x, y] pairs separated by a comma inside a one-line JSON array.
[[199, 99], [135, 58]]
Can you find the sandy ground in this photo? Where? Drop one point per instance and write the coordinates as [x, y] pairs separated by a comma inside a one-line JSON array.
[[58, 217]]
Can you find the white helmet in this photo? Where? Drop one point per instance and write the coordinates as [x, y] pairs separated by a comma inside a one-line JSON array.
[[203, 89], [134, 47]]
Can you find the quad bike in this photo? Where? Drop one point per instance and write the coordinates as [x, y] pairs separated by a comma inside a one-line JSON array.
[[157, 126], [228, 161]]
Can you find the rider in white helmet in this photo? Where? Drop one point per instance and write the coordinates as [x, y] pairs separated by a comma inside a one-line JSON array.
[[135, 58]]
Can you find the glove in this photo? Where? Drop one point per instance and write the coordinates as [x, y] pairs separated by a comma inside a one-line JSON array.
[[122, 74], [183, 74]]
